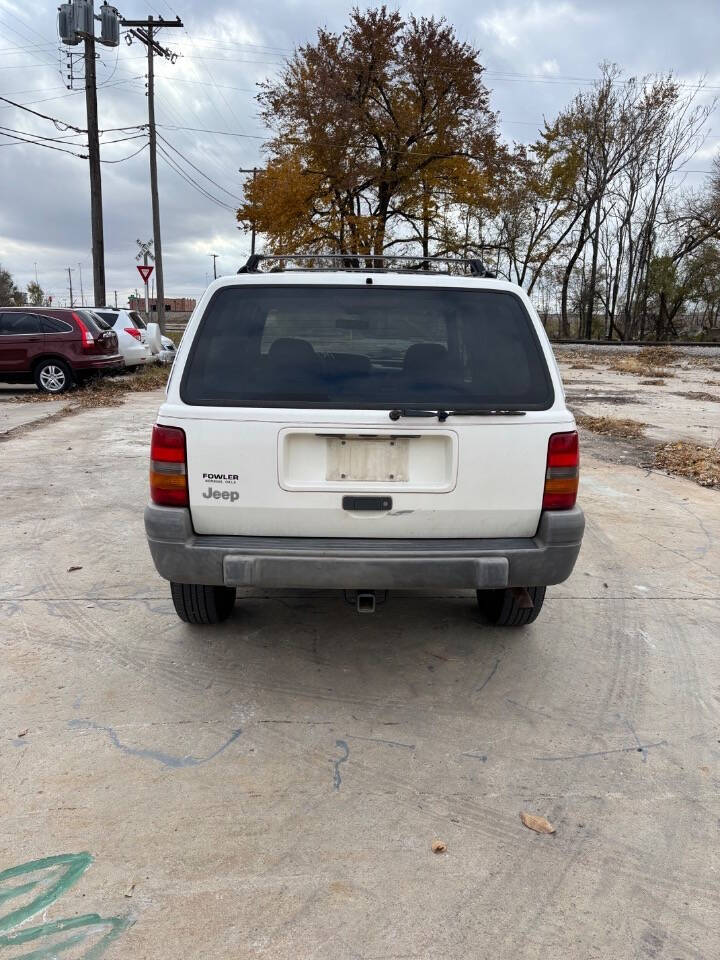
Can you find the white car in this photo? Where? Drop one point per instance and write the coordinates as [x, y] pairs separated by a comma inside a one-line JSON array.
[[362, 430], [162, 347], [132, 340]]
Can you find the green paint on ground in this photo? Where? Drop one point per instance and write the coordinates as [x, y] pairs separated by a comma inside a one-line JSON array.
[[79, 930], [62, 872], [54, 876]]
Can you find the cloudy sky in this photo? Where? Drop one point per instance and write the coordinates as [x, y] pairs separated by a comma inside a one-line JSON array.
[[537, 55]]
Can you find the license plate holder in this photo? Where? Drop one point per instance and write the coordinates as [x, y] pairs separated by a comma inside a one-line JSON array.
[[368, 459]]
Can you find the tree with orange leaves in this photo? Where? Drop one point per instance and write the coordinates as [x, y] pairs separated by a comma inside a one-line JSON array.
[[374, 132]]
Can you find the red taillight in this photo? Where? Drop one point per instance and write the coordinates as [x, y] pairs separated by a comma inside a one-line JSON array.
[[133, 331], [563, 471], [168, 467], [88, 340]]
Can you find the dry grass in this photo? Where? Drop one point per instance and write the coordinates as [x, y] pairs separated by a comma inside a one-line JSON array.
[[105, 391], [615, 427], [664, 356], [697, 395], [711, 383], [655, 382], [698, 360], [690, 460], [638, 366], [110, 391]]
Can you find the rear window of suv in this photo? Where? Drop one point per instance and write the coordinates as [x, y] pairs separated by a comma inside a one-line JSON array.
[[108, 316], [368, 347], [93, 320]]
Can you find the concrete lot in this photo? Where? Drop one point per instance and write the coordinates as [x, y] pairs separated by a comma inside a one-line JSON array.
[[669, 410], [14, 415], [270, 788]]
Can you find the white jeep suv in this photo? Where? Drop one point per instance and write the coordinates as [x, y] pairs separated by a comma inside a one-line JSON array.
[[364, 429]]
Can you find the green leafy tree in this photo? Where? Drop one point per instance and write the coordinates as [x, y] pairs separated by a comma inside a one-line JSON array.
[[35, 294], [10, 295]]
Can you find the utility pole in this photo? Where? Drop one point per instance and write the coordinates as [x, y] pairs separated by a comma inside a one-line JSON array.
[[144, 30], [72, 302], [214, 259], [254, 171], [36, 274], [115, 292], [82, 293], [96, 210], [76, 23]]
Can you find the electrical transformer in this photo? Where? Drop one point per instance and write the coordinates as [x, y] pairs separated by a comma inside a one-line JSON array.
[[83, 13], [109, 26], [66, 25]]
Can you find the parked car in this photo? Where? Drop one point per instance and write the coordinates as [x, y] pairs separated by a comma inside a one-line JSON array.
[[132, 340], [55, 347], [162, 347], [364, 430]]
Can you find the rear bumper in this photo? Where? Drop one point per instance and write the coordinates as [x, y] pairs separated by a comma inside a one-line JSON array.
[[98, 364], [338, 563], [134, 356]]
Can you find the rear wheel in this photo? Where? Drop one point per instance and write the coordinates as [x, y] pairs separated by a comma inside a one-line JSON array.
[[200, 604], [53, 376], [509, 608]]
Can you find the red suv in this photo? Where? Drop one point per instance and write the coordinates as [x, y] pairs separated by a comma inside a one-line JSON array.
[[55, 348]]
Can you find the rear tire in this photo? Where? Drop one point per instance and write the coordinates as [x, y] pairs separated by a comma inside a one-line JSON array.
[[199, 604], [53, 376], [502, 607]]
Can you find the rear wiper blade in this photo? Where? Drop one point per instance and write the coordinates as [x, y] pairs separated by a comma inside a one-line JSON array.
[[442, 415], [414, 412]]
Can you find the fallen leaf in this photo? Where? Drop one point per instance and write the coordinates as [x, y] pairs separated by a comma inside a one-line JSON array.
[[71, 569], [438, 846], [538, 824], [23, 733], [704, 770], [129, 891]]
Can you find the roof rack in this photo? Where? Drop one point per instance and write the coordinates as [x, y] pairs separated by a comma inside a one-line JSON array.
[[367, 263]]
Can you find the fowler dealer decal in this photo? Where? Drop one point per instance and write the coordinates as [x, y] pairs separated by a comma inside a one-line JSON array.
[[224, 479]]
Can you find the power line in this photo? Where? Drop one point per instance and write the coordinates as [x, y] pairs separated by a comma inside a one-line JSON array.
[[245, 43], [208, 71], [83, 156], [221, 133], [193, 183], [130, 156], [201, 172], [33, 53], [39, 136], [204, 83], [33, 48], [76, 93], [44, 116]]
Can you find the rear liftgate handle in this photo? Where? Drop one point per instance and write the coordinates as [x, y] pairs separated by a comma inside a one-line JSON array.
[[367, 503]]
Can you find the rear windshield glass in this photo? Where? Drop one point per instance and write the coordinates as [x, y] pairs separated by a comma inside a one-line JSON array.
[[108, 316], [137, 320], [366, 347], [91, 318]]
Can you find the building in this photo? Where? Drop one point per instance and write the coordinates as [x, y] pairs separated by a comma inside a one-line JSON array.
[[173, 306]]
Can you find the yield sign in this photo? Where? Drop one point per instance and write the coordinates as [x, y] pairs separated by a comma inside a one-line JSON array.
[[145, 272]]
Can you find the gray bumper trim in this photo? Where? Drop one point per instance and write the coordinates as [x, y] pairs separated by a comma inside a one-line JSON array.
[[337, 563]]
